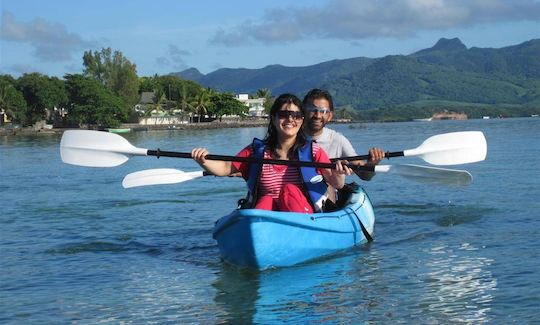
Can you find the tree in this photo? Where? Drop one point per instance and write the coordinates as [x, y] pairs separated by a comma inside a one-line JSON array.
[[42, 94], [183, 102], [267, 95], [147, 84], [12, 102], [159, 101], [227, 104], [94, 104], [115, 72], [201, 102], [172, 86]]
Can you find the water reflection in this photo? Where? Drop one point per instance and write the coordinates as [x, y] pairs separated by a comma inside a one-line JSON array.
[[459, 286], [331, 290]]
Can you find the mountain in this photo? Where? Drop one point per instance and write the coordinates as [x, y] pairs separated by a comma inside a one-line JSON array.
[[276, 77], [522, 59], [448, 71], [192, 74]]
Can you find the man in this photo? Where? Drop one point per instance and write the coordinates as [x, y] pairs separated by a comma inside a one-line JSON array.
[[319, 112]]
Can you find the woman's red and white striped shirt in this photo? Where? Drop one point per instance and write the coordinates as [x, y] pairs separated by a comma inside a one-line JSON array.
[[274, 177]]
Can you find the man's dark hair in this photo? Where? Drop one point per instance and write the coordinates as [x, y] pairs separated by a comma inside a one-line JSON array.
[[316, 93]]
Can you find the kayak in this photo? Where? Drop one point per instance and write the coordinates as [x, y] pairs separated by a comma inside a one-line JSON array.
[[263, 239], [119, 130]]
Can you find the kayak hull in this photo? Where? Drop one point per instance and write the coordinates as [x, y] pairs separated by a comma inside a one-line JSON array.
[[262, 239]]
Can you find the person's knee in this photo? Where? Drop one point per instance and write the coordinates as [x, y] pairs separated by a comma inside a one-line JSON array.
[[293, 199], [265, 203], [291, 189]]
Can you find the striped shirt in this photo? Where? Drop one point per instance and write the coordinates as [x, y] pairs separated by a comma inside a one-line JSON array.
[[274, 177]]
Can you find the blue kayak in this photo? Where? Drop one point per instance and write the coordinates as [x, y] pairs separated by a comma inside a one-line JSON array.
[[262, 239]]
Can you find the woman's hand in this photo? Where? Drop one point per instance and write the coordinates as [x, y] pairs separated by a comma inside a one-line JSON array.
[[336, 177], [342, 168], [198, 155], [216, 167]]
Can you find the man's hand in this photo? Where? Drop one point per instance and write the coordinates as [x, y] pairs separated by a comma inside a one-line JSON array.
[[375, 156]]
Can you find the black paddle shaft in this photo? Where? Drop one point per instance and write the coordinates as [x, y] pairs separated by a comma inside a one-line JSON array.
[[158, 153], [365, 157]]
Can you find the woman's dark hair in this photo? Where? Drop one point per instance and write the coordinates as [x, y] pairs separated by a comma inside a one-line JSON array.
[[316, 93], [271, 135]]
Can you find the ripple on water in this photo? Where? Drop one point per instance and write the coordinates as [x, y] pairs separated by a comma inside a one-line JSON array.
[[105, 246], [446, 215]]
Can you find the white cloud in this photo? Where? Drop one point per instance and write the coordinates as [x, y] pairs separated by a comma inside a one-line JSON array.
[[362, 19], [51, 41]]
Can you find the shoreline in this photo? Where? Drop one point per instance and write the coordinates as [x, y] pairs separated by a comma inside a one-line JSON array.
[[134, 127]]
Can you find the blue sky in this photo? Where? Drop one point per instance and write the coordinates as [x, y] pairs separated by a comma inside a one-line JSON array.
[[50, 36]]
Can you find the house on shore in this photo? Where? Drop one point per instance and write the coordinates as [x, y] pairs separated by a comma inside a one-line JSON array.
[[448, 115], [255, 105]]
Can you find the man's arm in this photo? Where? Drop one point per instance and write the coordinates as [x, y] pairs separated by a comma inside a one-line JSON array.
[[376, 155]]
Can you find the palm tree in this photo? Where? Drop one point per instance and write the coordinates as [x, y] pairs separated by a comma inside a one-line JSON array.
[[158, 100], [263, 93], [201, 102], [183, 102], [267, 95]]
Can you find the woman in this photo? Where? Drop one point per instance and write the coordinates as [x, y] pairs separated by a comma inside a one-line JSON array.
[[280, 187]]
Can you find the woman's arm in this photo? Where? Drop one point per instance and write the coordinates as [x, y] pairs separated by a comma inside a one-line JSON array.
[[216, 167]]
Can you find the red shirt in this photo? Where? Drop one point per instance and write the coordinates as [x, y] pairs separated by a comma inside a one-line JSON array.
[[274, 177]]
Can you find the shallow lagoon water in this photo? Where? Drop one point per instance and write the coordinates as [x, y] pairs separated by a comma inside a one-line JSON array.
[[75, 247]]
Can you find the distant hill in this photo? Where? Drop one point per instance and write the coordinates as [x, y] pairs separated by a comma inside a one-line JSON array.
[[522, 60], [448, 72], [277, 78]]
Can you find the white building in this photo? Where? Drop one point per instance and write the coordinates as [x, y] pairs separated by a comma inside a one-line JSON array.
[[256, 105]]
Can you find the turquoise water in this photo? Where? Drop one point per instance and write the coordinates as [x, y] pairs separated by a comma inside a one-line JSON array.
[[76, 247]]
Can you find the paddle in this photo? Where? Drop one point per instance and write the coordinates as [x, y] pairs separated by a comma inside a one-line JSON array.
[[102, 149], [160, 176], [423, 174], [444, 149]]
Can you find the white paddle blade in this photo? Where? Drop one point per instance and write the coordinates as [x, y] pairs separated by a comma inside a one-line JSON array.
[[96, 148], [453, 148], [429, 175], [158, 176]]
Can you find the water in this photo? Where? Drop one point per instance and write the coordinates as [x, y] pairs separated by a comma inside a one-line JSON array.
[[76, 247]]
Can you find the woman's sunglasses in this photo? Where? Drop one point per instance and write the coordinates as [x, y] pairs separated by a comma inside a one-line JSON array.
[[283, 115]]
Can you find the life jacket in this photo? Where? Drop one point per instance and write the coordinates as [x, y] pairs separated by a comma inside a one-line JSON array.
[[313, 182]]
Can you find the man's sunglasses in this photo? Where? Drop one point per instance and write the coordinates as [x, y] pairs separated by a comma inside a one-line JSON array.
[[322, 110], [284, 115]]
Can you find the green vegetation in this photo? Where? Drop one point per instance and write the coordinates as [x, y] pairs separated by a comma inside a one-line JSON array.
[[105, 94], [115, 72], [425, 109], [226, 104], [93, 104]]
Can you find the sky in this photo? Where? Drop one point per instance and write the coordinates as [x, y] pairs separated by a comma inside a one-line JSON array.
[[164, 36]]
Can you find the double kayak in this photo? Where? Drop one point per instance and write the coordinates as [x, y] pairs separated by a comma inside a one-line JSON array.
[[263, 239]]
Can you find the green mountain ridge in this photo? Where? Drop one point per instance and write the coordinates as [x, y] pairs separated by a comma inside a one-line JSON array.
[[447, 72]]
